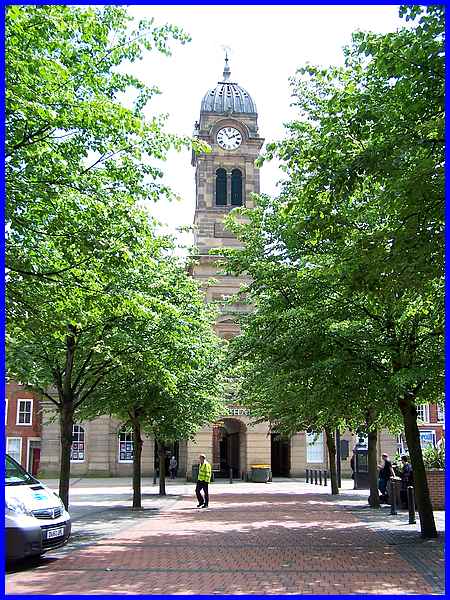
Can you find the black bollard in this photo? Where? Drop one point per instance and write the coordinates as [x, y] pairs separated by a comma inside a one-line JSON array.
[[315, 476], [320, 477], [154, 477], [307, 475], [411, 505], [231, 475], [325, 475], [393, 498]]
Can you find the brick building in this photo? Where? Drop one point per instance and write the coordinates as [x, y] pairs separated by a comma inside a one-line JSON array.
[[23, 425], [431, 422]]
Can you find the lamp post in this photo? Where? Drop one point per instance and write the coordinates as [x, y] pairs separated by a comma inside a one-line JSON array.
[[338, 458]]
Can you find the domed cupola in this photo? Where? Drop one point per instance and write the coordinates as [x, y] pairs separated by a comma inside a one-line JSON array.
[[228, 97]]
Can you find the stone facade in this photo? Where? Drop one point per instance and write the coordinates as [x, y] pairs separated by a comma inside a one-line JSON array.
[[101, 449], [249, 444]]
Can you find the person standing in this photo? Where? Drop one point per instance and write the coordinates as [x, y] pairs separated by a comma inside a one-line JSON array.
[[386, 472], [173, 467], [407, 480], [352, 467], [203, 479]]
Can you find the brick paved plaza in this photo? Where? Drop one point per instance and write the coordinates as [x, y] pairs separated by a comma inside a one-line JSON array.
[[280, 539]]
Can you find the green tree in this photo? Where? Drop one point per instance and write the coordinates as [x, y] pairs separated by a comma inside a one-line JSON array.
[[80, 159], [74, 144], [171, 386], [360, 215], [299, 371], [64, 341]]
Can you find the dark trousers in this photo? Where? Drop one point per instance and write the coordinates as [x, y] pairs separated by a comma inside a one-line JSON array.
[[202, 485], [382, 485]]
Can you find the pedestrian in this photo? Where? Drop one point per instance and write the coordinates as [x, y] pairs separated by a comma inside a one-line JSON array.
[[407, 479], [386, 472], [173, 467], [203, 479], [352, 467]]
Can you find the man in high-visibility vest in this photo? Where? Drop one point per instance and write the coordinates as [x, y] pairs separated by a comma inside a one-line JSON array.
[[203, 479]]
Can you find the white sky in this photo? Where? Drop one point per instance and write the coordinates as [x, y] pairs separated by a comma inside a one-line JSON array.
[[268, 44]]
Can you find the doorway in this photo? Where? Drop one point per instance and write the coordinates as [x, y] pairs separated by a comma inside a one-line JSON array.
[[34, 457], [229, 448], [170, 449], [280, 455]]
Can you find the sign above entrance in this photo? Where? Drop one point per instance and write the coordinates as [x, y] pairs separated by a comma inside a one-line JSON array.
[[238, 412]]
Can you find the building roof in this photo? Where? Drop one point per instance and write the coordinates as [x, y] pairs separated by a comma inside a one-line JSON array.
[[228, 97]]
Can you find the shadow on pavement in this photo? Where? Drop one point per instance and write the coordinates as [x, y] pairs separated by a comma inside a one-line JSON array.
[[28, 563], [244, 543]]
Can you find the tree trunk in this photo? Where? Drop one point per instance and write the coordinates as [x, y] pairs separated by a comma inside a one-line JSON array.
[[137, 452], [162, 469], [67, 402], [372, 467], [66, 428], [331, 446], [422, 493]]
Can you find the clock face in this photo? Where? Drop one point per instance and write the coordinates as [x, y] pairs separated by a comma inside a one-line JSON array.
[[229, 138]]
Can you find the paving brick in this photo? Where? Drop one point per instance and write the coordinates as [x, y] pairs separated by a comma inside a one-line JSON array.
[[246, 543]]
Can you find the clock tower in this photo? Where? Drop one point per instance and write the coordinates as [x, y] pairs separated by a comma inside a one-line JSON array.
[[225, 178]]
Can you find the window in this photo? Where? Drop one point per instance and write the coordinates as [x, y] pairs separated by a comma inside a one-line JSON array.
[[125, 446], [314, 448], [6, 411], [14, 448], [440, 413], [78, 449], [363, 440], [24, 412], [221, 187], [423, 413], [427, 438], [236, 187], [402, 448]]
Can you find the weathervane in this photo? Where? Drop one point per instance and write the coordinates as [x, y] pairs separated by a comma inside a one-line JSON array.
[[226, 69]]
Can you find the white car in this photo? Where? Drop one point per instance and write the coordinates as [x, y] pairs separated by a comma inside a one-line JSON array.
[[35, 518]]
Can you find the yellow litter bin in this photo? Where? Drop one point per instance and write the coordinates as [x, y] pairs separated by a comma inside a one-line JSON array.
[[260, 473]]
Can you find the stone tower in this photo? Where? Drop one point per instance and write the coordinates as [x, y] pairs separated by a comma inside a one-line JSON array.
[[224, 179]]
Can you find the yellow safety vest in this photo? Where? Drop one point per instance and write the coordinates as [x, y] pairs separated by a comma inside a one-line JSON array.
[[204, 472]]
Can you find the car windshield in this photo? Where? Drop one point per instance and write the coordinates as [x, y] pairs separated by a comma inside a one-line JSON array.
[[15, 474]]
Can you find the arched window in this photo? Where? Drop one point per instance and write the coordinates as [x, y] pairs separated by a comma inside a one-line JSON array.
[[236, 187], [77, 450], [125, 445], [221, 187]]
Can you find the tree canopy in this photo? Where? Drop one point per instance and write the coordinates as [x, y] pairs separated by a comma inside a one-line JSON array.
[[347, 263], [90, 283], [77, 139]]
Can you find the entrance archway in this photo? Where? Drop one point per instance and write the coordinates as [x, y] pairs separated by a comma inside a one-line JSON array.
[[280, 455], [229, 447]]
